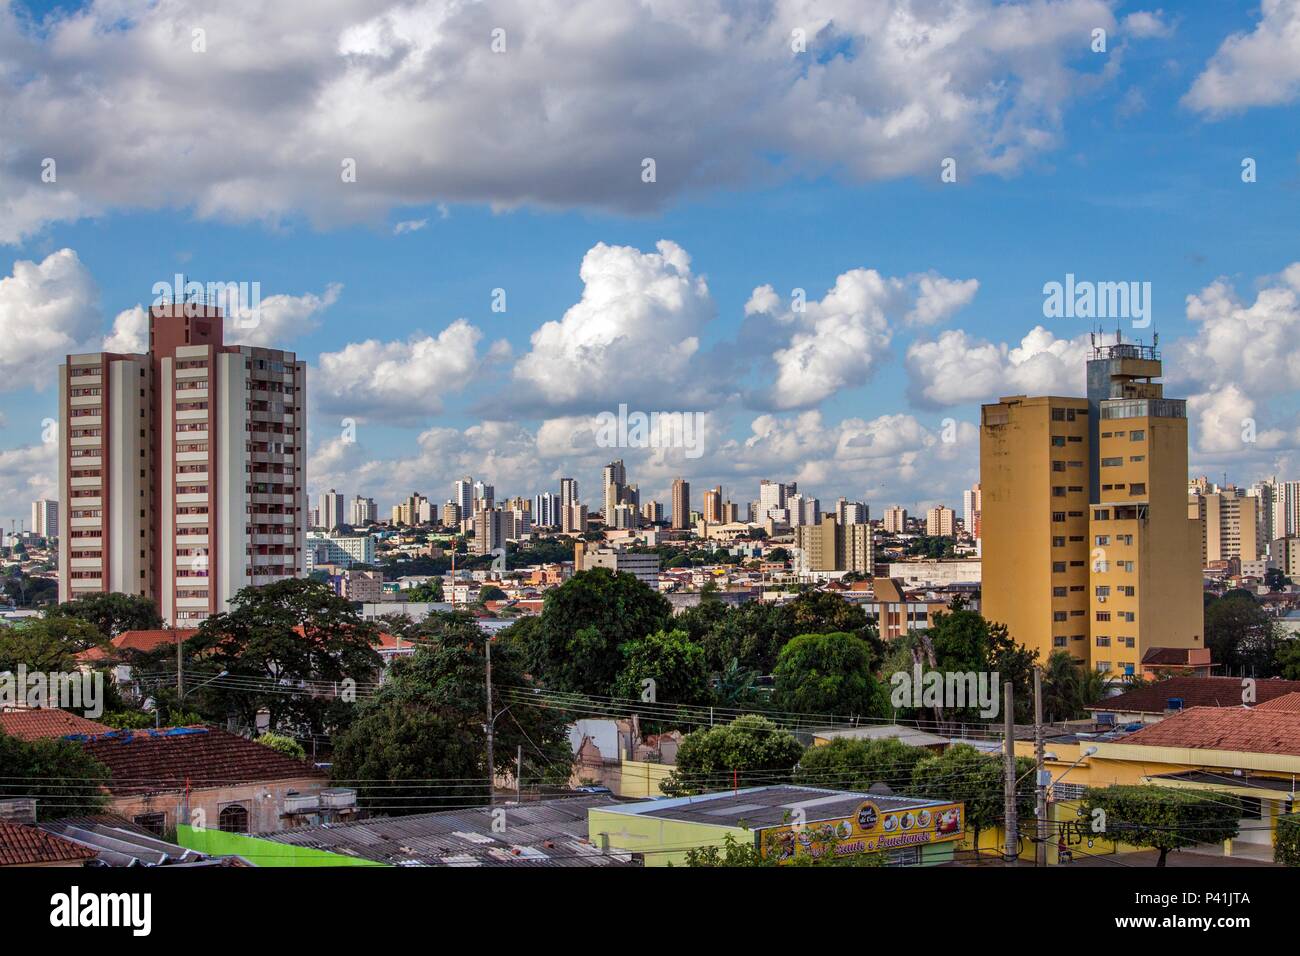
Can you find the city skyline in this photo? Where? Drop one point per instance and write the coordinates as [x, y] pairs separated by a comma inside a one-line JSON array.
[[436, 348]]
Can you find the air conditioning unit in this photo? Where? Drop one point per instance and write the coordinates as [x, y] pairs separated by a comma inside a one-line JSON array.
[[1101, 600]]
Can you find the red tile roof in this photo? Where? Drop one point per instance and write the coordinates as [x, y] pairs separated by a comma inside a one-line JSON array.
[[43, 723], [1244, 729], [1285, 702], [1154, 697], [139, 641], [144, 761], [21, 845]]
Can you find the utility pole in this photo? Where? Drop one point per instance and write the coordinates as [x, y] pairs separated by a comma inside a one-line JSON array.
[[180, 674], [491, 771], [1009, 732], [1040, 787], [519, 774]]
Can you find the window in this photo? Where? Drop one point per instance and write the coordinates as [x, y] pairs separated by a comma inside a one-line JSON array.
[[1137, 458], [1059, 616], [1111, 462], [1060, 641], [1103, 539], [1103, 640], [1056, 465], [1137, 488], [1058, 567], [1059, 592], [1103, 615], [1138, 435], [155, 823], [1101, 514], [234, 818], [1058, 441], [1058, 542], [1058, 515], [1058, 491], [1103, 590]]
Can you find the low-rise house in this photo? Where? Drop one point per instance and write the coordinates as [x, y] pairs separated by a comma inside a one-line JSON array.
[[45, 723], [1155, 701], [202, 777], [25, 845]]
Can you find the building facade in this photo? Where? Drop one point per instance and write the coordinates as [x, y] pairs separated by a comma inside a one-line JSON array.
[[184, 467]]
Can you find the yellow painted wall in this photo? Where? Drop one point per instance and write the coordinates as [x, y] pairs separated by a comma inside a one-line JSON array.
[[662, 841], [636, 778]]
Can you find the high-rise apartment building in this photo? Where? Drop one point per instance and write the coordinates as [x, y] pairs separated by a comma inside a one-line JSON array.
[[970, 510], [850, 512], [771, 495], [941, 521], [546, 509], [462, 493], [183, 468], [331, 508], [681, 503], [45, 518], [832, 546], [1087, 545], [895, 520], [490, 530], [362, 511], [1228, 523], [568, 492], [652, 511], [613, 479], [713, 505]]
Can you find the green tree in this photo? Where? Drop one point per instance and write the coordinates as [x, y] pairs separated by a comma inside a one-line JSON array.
[[291, 631], [282, 744], [750, 751], [1286, 847], [112, 613], [1069, 688], [846, 764], [674, 664], [963, 774], [1287, 660], [584, 622], [828, 674], [1162, 818], [58, 774], [48, 644], [430, 590], [440, 691], [490, 592], [963, 641], [1241, 635]]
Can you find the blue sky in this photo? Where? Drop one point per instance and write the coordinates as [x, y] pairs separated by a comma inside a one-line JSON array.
[[1114, 166]]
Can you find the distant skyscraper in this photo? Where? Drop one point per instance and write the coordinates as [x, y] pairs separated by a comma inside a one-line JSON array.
[[568, 492], [970, 508], [771, 494], [851, 512], [681, 503], [463, 494], [940, 521], [612, 481], [895, 520], [362, 512], [546, 509], [489, 530], [713, 505], [45, 518], [330, 506]]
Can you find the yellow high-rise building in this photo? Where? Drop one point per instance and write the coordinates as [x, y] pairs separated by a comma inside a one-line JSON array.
[[1087, 544]]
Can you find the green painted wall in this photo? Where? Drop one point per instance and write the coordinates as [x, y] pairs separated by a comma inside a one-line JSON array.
[[262, 852]]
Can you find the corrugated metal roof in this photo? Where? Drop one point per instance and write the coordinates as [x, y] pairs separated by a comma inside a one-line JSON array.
[[543, 833]]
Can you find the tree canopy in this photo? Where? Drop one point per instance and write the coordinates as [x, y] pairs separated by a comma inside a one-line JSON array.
[[750, 751], [1161, 818]]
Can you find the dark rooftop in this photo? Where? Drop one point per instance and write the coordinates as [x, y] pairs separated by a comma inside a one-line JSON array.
[[771, 806], [542, 833]]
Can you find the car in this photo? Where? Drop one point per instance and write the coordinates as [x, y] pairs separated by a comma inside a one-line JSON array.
[[592, 790]]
